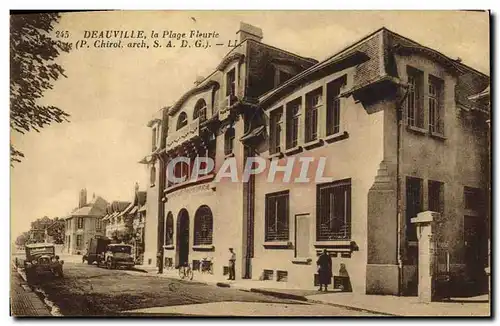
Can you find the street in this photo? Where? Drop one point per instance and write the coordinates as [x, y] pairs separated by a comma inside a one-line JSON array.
[[92, 291]]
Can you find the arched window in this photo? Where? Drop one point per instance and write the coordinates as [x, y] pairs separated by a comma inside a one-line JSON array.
[[182, 120], [169, 230], [152, 176], [203, 226], [200, 110], [229, 141]]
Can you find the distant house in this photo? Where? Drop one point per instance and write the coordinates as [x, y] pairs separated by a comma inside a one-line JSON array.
[[125, 221], [84, 223]]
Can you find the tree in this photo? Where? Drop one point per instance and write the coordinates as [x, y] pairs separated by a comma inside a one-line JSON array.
[[22, 239], [54, 226], [32, 71]]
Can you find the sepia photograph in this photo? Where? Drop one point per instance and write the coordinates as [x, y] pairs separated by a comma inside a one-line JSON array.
[[250, 164]]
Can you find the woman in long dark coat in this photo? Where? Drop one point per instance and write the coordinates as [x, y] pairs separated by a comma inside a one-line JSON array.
[[324, 270]]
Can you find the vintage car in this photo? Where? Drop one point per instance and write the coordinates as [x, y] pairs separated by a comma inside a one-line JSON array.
[[41, 259], [118, 255]]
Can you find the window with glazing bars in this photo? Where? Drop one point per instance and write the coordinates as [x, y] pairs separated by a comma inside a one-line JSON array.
[[169, 229], [200, 111], [314, 100], [277, 210], [275, 131], [231, 83], [333, 106], [203, 226], [435, 104], [414, 98], [80, 223], [292, 123], [333, 211], [79, 240]]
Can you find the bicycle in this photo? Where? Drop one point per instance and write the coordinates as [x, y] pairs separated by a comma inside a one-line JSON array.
[[185, 272]]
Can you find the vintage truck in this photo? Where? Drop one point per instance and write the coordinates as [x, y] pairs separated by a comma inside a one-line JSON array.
[[41, 259], [119, 255], [96, 250]]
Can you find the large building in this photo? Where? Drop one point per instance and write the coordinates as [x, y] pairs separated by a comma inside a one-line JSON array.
[[393, 123], [84, 223]]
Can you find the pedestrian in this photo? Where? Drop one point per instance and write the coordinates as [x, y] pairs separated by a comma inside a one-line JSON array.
[[324, 264], [232, 263]]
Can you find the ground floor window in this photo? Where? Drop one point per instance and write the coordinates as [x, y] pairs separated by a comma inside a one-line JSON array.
[[169, 230], [333, 211], [414, 205], [79, 241], [277, 210], [203, 226]]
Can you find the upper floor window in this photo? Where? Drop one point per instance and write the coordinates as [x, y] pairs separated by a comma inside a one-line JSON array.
[[435, 104], [415, 99], [200, 110], [155, 137], [314, 100], [80, 223], [275, 130], [152, 176], [229, 141], [333, 209], [182, 120], [277, 210], [292, 122], [414, 205], [280, 76], [231, 83], [98, 224], [333, 106]]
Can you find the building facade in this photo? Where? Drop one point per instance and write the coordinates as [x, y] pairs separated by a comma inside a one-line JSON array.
[[389, 119], [84, 223]]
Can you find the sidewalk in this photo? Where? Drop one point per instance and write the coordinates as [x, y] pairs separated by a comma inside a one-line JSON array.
[[23, 301], [379, 304], [406, 306]]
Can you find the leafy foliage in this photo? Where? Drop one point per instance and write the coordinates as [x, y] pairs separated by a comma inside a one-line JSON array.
[[23, 239], [54, 226], [33, 71]]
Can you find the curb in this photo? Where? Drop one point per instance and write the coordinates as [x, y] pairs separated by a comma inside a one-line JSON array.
[[338, 305], [280, 295]]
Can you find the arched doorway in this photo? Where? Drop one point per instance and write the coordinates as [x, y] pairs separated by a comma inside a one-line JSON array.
[[182, 247]]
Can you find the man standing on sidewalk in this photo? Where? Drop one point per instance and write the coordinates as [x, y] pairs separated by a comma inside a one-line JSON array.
[[232, 263]]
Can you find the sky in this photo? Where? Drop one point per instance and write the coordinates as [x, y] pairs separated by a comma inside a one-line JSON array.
[[111, 94]]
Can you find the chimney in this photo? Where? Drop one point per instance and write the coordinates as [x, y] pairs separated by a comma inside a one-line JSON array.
[[83, 198], [198, 80], [248, 31]]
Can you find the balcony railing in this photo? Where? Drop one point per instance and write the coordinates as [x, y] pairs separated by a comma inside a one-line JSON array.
[[186, 133]]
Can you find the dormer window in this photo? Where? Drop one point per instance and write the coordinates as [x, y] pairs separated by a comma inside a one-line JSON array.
[[182, 120], [200, 110]]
